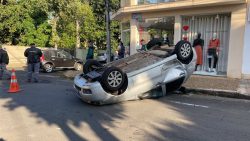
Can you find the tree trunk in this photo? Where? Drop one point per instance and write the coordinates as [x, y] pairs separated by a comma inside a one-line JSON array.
[[77, 34], [54, 31]]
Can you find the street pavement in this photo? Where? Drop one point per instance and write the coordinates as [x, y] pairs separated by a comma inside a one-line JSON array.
[[49, 111]]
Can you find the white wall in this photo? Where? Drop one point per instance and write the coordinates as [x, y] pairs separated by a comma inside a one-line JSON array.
[[236, 42], [134, 36], [246, 52]]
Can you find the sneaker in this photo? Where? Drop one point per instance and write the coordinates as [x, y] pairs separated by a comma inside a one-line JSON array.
[[29, 81], [36, 81]]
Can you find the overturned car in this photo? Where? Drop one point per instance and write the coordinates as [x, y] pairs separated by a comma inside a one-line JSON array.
[[133, 77]]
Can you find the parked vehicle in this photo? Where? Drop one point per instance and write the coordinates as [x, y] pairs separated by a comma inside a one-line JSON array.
[[133, 77], [59, 59], [102, 57]]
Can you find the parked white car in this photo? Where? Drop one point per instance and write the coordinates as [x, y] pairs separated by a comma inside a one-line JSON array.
[[133, 77]]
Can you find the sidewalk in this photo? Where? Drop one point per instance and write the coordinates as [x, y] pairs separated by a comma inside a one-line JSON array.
[[219, 86]]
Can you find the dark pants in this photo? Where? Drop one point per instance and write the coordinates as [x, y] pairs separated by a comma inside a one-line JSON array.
[[34, 67], [212, 52], [3, 70]]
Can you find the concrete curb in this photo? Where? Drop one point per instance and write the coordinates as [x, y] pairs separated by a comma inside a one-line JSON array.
[[218, 92]]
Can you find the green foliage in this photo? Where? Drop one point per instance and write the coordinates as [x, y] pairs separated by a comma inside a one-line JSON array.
[[25, 21], [99, 12], [54, 22]]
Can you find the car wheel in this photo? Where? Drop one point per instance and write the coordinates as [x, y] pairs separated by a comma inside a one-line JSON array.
[[184, 52], [78, 66], [91, 65], [112, 79], [48, 68]]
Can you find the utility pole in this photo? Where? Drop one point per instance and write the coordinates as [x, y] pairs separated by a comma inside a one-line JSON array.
[[108, 31]]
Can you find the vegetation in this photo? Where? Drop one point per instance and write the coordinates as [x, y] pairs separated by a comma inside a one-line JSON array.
[[56, 23]]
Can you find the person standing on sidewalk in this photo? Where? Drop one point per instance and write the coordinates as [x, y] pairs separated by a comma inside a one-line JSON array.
[[33, 55], [121, 50], [91, 49], [4, 61]]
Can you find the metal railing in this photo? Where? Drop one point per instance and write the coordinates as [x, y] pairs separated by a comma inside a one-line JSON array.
[[142, 2], [128, 3]]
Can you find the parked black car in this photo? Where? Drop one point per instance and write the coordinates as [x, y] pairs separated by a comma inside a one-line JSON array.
[[59, 59]]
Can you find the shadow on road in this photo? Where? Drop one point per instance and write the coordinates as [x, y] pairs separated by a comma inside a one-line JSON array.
[[54, 103]]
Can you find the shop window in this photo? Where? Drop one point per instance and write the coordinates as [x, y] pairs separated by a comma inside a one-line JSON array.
[[161, 28], [215, 31]]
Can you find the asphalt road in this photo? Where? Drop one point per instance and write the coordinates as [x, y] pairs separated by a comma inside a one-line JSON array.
[[48, 111]]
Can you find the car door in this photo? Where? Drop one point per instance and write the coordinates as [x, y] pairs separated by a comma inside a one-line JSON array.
[[68, 61], [57, 58]]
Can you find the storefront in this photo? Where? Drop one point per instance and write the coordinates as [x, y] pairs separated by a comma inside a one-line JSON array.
[[227, 24], [209, 26]]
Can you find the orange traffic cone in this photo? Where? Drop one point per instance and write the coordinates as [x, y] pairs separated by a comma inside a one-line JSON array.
[[14, 87]]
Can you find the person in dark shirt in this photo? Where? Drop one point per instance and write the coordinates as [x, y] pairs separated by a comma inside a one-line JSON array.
[[4, 61], [33, 55], [91, 49], [121, 51], [143, 45]]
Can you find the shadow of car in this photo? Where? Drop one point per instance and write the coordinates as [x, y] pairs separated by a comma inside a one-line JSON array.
[[59, 59]]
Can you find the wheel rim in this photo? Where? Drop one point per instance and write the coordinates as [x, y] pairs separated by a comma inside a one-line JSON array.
[[78, 67], [48, 68], [115, 78], [185, 50]]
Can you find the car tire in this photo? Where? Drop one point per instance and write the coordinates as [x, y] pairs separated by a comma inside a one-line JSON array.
[[91, 65], [184, 52], [112, 79], [48, 68], [78, 66]]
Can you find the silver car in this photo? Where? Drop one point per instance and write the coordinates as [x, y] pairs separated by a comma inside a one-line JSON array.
[[134, 77]]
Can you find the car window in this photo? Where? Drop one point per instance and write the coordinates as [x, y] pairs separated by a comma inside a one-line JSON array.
[[60, 55], [67, 55], [63, 54], [52, 53]]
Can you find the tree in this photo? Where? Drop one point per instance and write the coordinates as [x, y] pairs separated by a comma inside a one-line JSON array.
[[72, 21], [58, 23], [99, 10], [24, 21]]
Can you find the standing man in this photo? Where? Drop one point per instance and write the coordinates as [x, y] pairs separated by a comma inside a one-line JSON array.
[[33, 55], [91, 48], [4, 61], [121, 51]]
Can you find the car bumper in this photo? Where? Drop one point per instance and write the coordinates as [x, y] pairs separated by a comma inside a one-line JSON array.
[[90, 92]]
